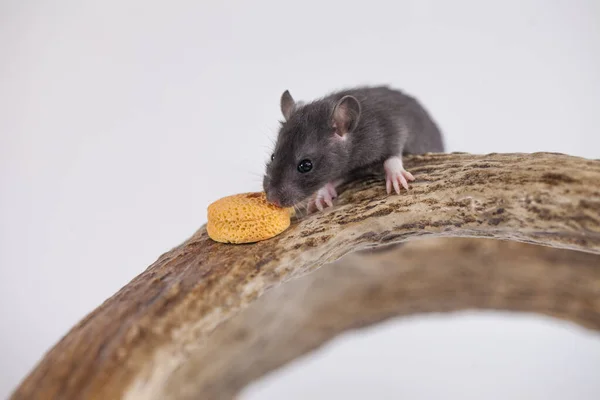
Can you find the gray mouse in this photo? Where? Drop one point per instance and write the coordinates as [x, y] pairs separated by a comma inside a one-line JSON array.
[[322, 143]]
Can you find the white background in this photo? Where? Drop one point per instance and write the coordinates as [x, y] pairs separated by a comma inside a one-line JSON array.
[[120, 121]]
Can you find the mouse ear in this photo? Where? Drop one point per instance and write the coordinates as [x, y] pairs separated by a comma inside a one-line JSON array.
[[287, 104], [346, 114]]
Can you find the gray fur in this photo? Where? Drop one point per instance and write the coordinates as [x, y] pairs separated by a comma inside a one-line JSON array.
[[390, 123]]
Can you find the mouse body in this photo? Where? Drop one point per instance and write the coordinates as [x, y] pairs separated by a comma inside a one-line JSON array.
[[322, 143]]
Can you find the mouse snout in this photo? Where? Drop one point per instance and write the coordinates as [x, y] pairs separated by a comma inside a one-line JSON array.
[[272, 197], [279, 201], [274, 201], [280, 197], [269, 191]]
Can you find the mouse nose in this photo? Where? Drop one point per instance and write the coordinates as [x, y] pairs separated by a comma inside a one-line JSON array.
[[272, 199]]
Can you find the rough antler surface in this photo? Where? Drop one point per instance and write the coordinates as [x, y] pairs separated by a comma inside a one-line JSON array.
[[363, 288], [149, 340]]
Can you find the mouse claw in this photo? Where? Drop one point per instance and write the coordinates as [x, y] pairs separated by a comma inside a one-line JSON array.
[[312, 205], [324, 197], [396, 175], [319, 204], [331, 190], [397, 186]]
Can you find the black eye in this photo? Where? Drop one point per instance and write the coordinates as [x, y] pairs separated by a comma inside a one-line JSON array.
[[272, 157], [304, 166]]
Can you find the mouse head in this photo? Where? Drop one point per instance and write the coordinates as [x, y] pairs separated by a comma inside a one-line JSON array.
[[312, 148]]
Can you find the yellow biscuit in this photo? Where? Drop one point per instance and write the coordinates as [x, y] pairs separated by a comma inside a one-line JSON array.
[[246, 218]]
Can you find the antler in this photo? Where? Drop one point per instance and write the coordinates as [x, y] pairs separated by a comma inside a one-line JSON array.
[[192, 323]]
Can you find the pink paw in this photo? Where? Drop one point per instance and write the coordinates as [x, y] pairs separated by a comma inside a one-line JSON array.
[[323, 198], [396, 175]]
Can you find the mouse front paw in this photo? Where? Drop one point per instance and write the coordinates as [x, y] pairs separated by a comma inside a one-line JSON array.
[[323, 198], [396, 175]]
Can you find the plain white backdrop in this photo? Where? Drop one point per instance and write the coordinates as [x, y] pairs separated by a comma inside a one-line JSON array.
[[120, 121]]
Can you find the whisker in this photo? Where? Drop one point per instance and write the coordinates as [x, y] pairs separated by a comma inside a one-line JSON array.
[[298, 210], [301, 208]]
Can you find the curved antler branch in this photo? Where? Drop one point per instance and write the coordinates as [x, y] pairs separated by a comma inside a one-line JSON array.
[[132, 345]]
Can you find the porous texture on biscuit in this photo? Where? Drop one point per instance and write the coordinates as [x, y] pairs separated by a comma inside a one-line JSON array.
[[245, 218]]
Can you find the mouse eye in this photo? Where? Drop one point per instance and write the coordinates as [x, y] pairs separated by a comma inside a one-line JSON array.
[[272, 156], [304, 166]]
